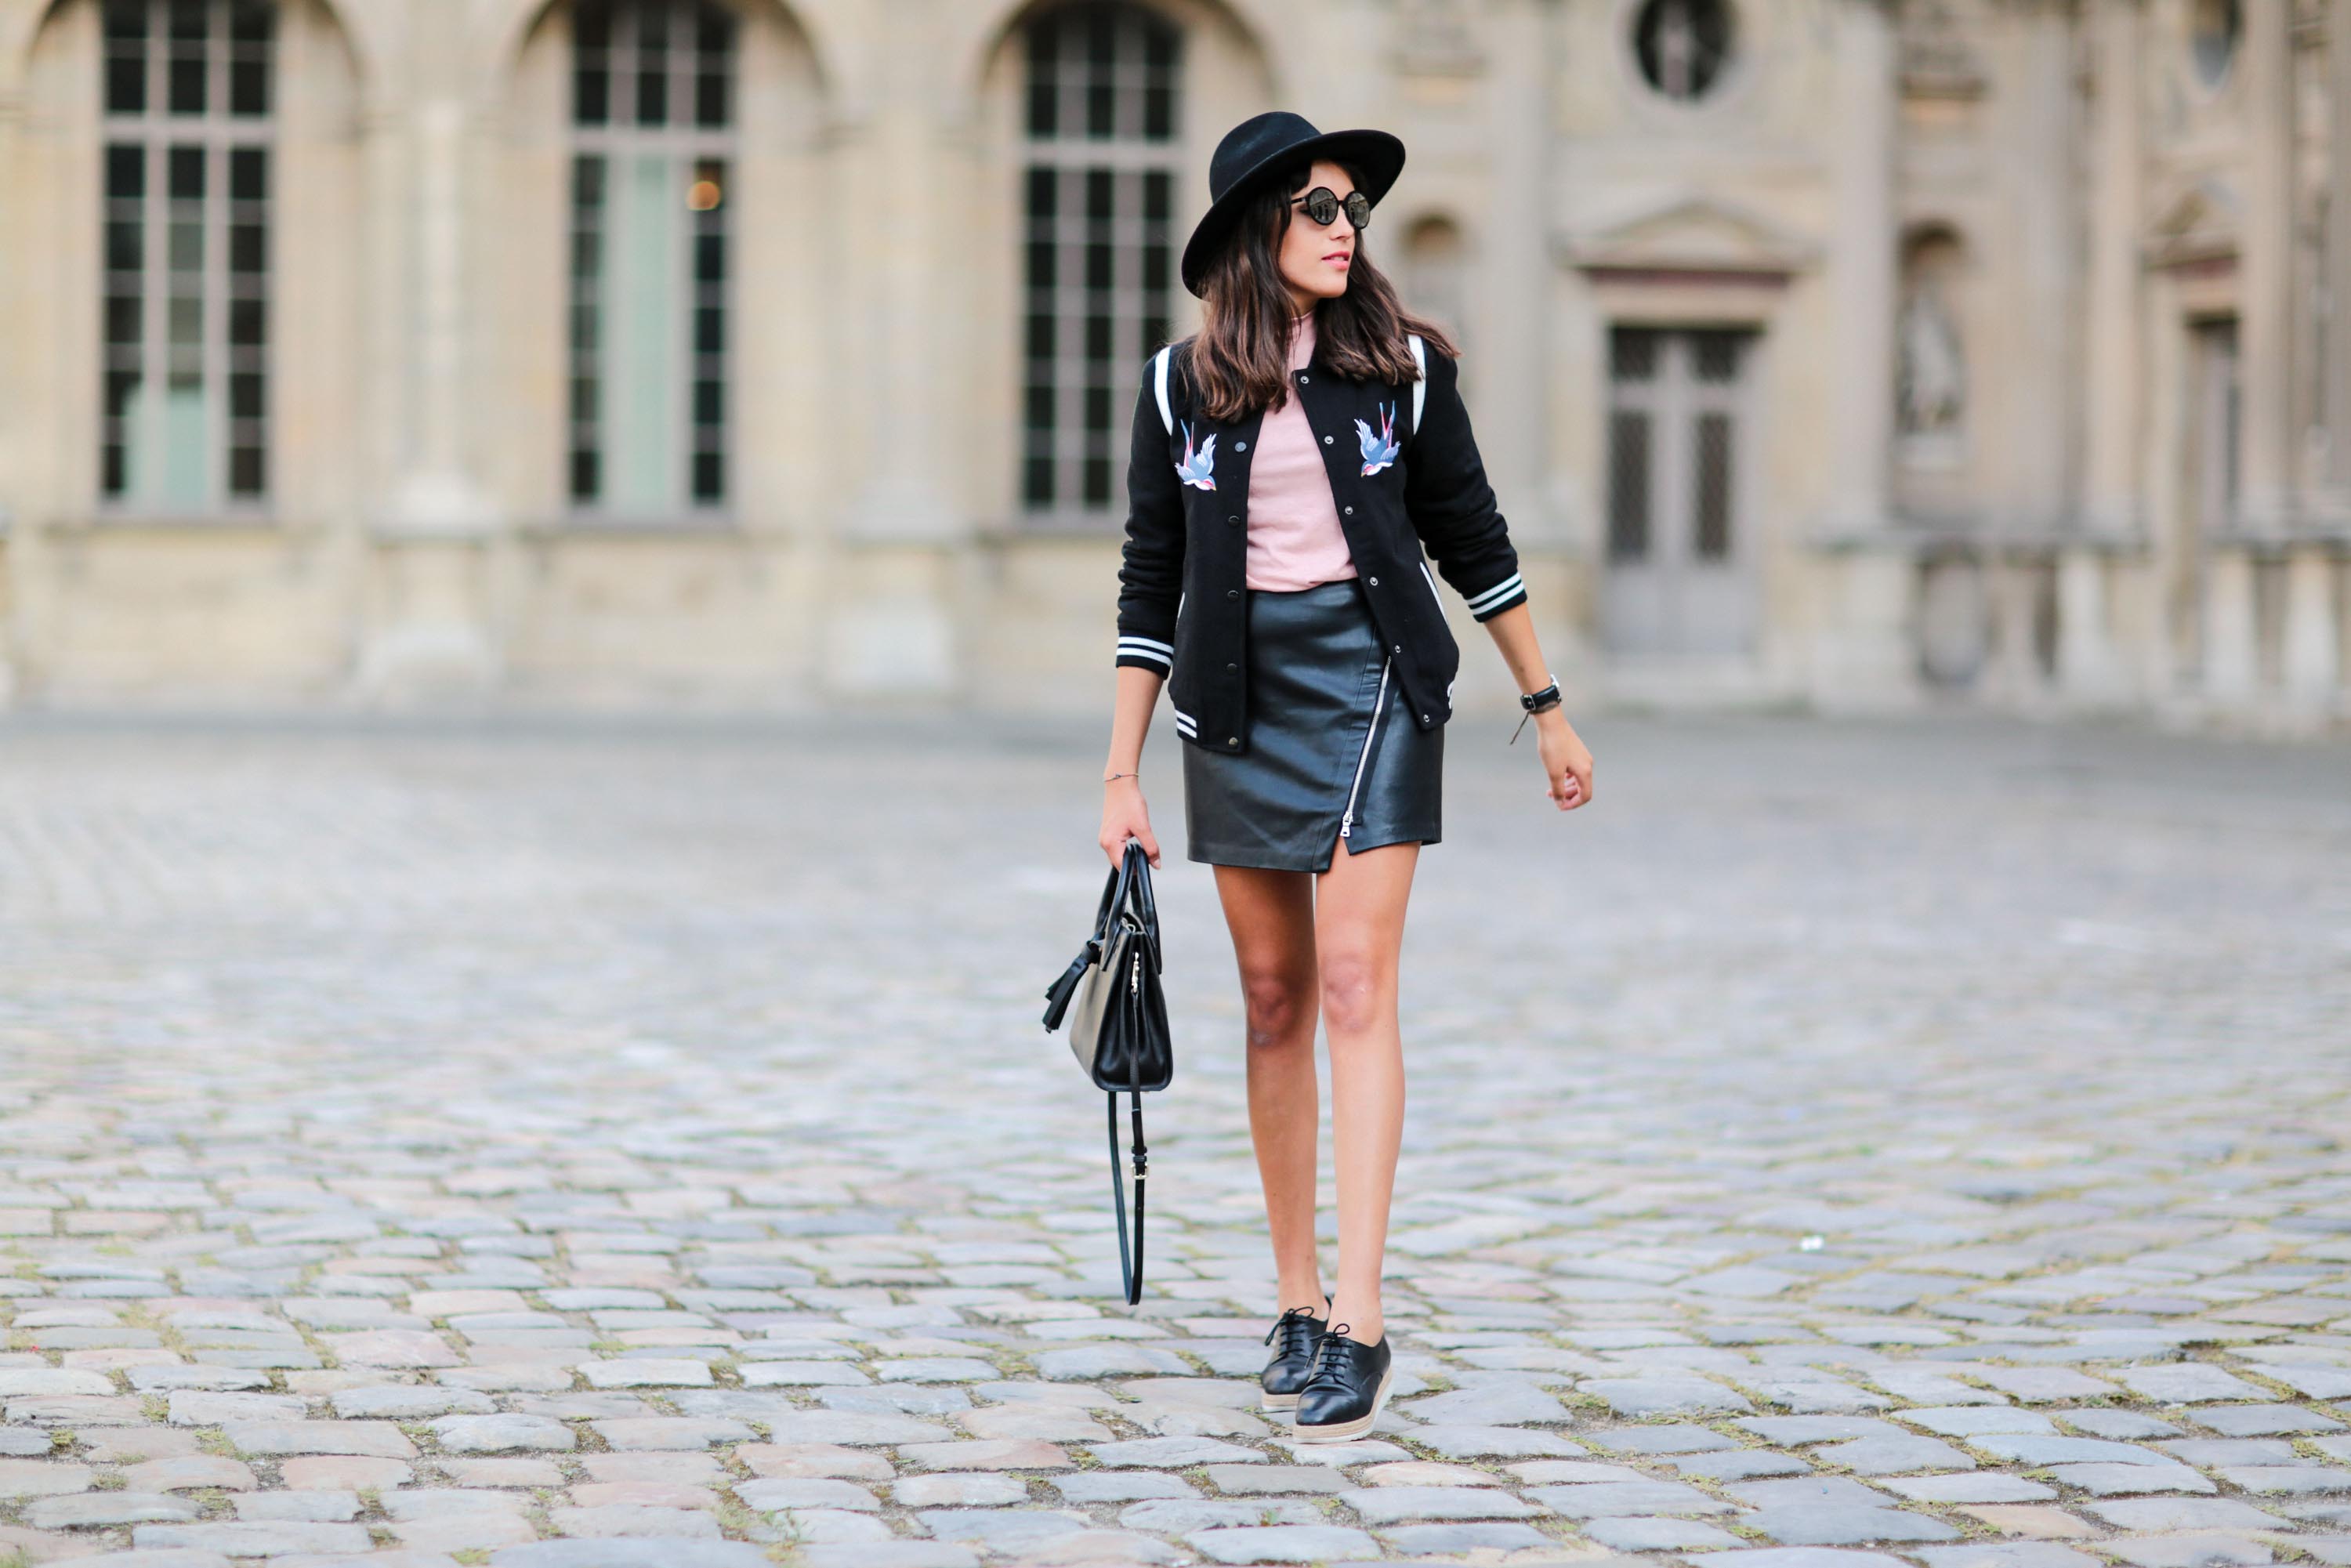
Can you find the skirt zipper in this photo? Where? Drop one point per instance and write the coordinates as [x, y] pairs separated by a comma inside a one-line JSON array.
[[1347, 821]]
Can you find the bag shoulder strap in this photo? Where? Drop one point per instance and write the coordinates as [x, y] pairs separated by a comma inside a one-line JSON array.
[[1130, 1258], [1419, 386], [1159, 385]]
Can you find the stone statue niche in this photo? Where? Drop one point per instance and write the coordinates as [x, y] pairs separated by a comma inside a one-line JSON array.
[[1931, 380]]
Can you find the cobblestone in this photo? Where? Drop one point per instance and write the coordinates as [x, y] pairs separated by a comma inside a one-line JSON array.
[[577, 1146]]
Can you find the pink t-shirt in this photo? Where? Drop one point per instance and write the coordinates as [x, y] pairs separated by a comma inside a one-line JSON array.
[[1294, 538]]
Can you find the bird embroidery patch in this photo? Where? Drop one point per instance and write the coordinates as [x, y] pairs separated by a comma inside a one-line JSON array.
[[1198, 469], [1379, 450]]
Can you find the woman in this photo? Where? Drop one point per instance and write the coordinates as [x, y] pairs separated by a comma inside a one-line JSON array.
[[1289, 464]]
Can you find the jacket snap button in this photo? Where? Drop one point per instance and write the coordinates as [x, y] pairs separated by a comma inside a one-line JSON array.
[[1423, 718], [1240, 446], [1233, 518], [1326, 441], [1399, 648], [1234, 740], [1230, 668], [1232, 593], [1375, 582], [1304, 377], [1351, 511]]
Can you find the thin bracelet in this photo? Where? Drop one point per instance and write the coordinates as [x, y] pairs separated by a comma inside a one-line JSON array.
[[1115, 775]]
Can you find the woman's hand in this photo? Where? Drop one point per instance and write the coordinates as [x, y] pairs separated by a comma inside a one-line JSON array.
[[1567, 763], [1125, 816]]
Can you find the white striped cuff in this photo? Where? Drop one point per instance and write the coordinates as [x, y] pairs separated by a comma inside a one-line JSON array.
[[1151, 648], [1495, 598]]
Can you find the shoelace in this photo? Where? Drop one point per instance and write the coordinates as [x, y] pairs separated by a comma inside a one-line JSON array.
[[1294, 1320], [1325, 1361]]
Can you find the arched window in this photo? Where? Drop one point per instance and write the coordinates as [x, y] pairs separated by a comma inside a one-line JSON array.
[[1101, 121], [184, 416], [653, 128]]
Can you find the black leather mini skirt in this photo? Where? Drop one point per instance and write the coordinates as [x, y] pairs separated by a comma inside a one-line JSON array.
[[1332, 749]]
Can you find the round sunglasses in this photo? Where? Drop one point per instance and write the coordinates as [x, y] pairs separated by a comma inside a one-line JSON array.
[[1322, 206]]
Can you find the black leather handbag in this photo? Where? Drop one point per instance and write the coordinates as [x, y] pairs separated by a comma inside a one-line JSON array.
[[1118, 1029]]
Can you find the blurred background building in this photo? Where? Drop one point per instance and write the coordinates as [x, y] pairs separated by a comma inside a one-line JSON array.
[[780, 354]]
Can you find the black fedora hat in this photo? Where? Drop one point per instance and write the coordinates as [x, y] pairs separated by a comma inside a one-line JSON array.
[[1261, 147]]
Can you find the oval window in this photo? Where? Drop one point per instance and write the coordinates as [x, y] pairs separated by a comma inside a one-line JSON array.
[[1683, 45]]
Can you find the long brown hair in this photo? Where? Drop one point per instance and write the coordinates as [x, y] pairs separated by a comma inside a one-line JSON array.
[[1240, 359]]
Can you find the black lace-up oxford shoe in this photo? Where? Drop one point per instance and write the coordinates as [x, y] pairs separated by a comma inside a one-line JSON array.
[[1292, 1336], [1349, 1385]]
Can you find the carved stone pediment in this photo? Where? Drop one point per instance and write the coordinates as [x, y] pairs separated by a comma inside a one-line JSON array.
[[1435, 37], [2199, 224], [1696, 234], [1936, 59]]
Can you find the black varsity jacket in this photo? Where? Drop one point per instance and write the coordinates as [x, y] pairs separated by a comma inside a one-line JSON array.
[[1400, 482]]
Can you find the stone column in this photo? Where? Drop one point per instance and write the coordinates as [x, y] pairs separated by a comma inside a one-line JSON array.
[[1521, 270], [2266, 500], [429, 625], [2044, 314], [1864, 654], [2111, 397], [2108, 519], [2265, 272], [2338, 391], [2232, 665], [1862, 270], [897, 555], [2312, 652], [12, 360], [2315, 631]]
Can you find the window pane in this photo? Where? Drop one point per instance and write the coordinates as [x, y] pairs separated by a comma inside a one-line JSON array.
[[710, 99], [1628, 485], [185, 167], [125, 23], [1715, 354], [587, 271], [248, 61], [1044, 115], [248, 175], [1712, 539], [125, 172], [714, 49], [707, 202], [190, 26], [642, 448], [652, 65], [1633, 354], [591, 62]]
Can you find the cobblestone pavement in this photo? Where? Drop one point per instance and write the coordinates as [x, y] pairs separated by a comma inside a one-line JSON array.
[[592, 1145]]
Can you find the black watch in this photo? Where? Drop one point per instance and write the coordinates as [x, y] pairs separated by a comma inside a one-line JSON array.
[[1535, 702]]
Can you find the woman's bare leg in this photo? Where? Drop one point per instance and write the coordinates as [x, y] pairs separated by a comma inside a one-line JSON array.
[[1359, 912], [1272, 915]]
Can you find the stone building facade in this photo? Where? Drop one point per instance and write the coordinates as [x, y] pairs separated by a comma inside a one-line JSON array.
[[779, 352]]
